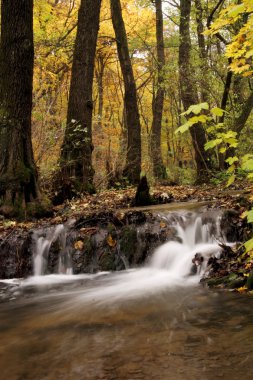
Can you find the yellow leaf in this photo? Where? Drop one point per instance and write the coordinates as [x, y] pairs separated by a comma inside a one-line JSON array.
[[242, 289], [162, 224], [79, 244], [110, 241]]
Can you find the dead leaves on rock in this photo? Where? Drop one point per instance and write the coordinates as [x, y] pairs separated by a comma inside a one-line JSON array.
[[110, 241], [79, 245]]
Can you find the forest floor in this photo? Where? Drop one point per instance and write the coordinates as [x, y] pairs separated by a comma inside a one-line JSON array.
[[230, 271], [237, 197]]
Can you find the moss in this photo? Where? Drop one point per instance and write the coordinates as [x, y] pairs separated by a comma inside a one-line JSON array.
[[88, 251], [39, 208], [212, 282], [231, 281], [15, 178], [128, 242], [107, 261]]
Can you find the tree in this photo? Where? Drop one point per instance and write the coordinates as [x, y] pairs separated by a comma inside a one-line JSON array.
[[159, 169], [189, 92], [132, 169], [76, 154], [18, 174]]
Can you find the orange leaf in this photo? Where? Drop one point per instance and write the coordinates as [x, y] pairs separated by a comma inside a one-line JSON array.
[[79, 245], [111, 242]]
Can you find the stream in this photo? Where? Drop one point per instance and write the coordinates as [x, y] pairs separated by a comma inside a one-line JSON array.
[[154, 322]]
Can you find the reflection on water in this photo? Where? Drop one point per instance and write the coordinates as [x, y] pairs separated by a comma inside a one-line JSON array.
[[83, 332]]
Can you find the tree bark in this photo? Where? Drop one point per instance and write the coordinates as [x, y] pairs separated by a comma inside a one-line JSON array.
[[76, 155], [18, 173], [158, 101], [189, 91], [132, 169], [202, 52]]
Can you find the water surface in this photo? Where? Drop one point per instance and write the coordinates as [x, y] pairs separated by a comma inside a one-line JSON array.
[[85, 332]]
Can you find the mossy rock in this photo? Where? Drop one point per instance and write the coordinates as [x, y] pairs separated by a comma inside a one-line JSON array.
[[236, 283], [128, 242], [39, 208], [107, 261], [212, 282]]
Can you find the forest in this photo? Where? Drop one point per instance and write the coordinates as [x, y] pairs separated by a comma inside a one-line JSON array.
[[97, 94]]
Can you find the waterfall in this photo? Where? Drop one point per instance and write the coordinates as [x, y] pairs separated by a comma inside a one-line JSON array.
[[42, 242], [182, 259], [195, 236]]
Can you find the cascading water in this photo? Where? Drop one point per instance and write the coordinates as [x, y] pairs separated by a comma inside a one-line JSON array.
[[170, 264], [43, 240], [193, 237]]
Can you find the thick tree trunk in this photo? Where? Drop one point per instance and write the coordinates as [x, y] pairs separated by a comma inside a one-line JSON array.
[[133, 162], [189, 91], [76, 162], [18, 174], [158, 101]]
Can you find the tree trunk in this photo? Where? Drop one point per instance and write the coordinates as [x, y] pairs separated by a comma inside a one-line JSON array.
[[76, 155], [189, 91], [158, 101], [202, 52], [133, 162], [18, 173]]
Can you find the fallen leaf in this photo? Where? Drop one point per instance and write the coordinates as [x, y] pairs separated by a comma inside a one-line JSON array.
[[79, 244], [110, 241]]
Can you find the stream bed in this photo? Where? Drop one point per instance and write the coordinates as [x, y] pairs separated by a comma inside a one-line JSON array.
[[151, 322], [83, 331]]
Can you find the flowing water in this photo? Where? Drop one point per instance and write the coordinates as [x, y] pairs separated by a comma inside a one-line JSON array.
[[156, 322]]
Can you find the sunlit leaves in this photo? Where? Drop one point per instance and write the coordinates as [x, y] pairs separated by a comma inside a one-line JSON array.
[[232, 160], [249, 245], [247, 163], [250, 216], [231, 180], [196, 109], [213, 143], [216, 111], [240, 49]]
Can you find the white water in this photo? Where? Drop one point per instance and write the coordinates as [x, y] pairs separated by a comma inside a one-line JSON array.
[[196, 237], [169, 266], [43, 240]]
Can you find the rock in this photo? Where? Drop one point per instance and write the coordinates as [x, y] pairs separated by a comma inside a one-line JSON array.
[[16, 255], [142, 196]]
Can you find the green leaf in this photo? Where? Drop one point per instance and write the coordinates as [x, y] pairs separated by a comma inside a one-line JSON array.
[[236, 10], [183, 128], [216, 111], [230, 180], [196, 108], [250, 216], [231, 168], [248, 165], [223, 150], [212, 143], [248, 245], [231, 160]]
